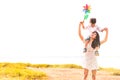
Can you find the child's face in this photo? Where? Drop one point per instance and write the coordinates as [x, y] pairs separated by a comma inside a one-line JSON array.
[[92, 25]]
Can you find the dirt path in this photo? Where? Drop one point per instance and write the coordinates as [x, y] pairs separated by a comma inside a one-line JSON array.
[[74, 74]]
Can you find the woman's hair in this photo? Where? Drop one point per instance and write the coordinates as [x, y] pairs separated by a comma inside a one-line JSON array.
[[93, 20], [96, 41]]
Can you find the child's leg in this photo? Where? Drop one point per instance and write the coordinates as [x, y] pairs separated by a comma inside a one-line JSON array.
[[85, 48], [96, 51], [86, 43]]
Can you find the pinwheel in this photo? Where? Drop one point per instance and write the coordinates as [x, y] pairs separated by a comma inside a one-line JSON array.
[[86, 10]]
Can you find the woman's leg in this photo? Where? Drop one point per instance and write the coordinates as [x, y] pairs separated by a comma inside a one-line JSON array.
[[94, 74], [85, 73]]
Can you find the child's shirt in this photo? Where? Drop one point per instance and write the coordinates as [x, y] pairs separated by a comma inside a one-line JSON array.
[[92, 29]]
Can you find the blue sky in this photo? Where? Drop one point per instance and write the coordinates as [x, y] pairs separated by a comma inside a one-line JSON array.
[[33, 29]]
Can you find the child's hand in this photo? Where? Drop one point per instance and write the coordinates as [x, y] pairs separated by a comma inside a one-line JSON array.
[[102, 30]]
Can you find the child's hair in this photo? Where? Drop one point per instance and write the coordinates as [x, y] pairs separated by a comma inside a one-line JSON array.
[[93, 20]]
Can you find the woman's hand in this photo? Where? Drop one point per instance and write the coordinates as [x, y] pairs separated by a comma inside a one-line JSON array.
[[104, 29], [82, 23]]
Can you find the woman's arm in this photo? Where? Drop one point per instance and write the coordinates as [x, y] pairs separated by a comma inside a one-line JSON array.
[[79, 32], [106, 36], [82, 24]]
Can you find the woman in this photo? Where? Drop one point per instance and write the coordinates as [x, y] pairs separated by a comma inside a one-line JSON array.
[[90, 61]]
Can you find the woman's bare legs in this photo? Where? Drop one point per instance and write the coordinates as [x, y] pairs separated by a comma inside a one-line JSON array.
[[94, 74], [85, 73]]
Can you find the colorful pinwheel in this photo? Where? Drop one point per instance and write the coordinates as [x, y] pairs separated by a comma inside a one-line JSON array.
[[86, 10]]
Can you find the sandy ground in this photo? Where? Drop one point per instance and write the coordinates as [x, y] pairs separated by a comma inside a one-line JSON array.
[[74, 74]]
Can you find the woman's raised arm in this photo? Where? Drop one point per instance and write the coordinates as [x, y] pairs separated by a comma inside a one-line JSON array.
[[106, 36], [79, 31]]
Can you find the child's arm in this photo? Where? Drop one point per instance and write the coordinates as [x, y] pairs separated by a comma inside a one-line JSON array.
[[99, 29]]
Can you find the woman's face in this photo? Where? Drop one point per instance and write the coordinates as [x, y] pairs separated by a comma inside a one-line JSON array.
[[93, 35]]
